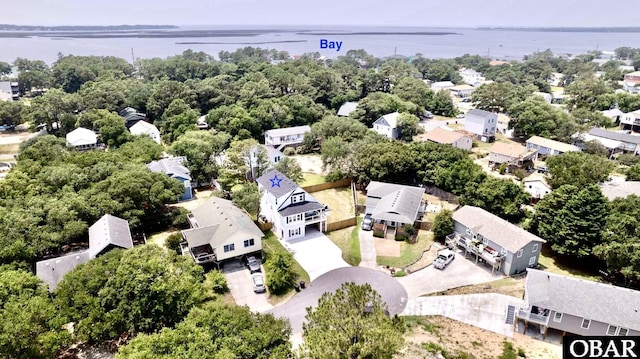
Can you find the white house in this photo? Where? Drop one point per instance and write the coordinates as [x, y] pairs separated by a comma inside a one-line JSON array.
[[290, 136], [630, 120], [555, 79], [82, 139], [387, 125], [290, 208], [144, 128], [536, 185], [441, 85], [462, 91], [394, 204], [481, 123], [471, 77], [548, 147], [446, 136], [220, 231], [545, 95], [614, 114]]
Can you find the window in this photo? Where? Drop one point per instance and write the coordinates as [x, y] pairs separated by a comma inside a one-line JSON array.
[[503, 251], [532, 261], [249, 242], [557, 317], [485, 241], [623, 332], [535, 247], [294, 232], [612, 330], [519, 254], [468, 231], [229, 247], [585, 323]]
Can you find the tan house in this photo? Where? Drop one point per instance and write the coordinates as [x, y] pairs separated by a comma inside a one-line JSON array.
[[449, 137], [511, 155]]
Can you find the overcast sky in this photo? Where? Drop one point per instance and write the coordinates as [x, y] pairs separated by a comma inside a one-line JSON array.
[[428, 13]]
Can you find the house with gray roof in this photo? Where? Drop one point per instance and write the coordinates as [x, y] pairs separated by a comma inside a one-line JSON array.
[[174, 168], [11, 89], [548, 147], [631, 143], [291, 209], [346, 108], [220, 231], [282, 137], [493, 240], [620, 189], [131, 116], [387, 125], [481, 123], [578, 306], [108, 233], [394, 205]]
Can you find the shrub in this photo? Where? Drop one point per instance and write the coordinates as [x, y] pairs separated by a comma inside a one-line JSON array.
[[400, 273], [180, 218], [173, 242], [289, 151], [521, 353], [217, 282], [379, 234], [502, 169], [280, 274]]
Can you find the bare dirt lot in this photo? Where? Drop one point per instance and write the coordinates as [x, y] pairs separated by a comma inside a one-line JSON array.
[[310, 163]]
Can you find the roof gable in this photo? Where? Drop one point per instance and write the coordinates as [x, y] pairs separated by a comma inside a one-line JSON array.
[[480, 113], [390, 120], [81, 136], [143, 127], [109, 230], [276, 183], [172, 167], [394, 202], [288, 131]]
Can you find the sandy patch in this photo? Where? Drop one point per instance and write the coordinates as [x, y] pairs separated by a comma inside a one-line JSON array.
[[310, 163], [200, 197], [387, 247]]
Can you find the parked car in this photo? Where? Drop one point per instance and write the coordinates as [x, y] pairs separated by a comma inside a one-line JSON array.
[[444, 258], [367, 223], [257, 280], [253, 264], [460, 115]]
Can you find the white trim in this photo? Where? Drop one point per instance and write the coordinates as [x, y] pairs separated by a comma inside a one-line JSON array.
[[535, 247], [588, 323], [532, 260], [615, 330], [519, 253], [626, 332], [556, 318]]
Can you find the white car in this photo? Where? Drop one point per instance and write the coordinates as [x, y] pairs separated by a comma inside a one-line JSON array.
[[444, 258], [257, 279]]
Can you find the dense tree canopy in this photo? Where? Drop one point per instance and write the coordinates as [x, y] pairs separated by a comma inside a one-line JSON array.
[[578, 168]]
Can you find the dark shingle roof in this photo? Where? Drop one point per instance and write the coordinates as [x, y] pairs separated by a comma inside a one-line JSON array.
[[480, 113], [583, 298], [172, 167], [285, 185], [618, 136], [300, 208]]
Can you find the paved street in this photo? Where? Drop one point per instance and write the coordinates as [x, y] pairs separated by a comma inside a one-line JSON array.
[[458, 273], [316, 253], [487, 311], [239, 281], [295, 309]]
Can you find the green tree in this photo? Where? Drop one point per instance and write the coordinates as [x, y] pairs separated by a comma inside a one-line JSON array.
[[351, 323], [441, 104], [177, 119], [29, 323], [499, 196], [5, 68], [596, 148], [280, 274], [290, 168], [245, 160], [584, 92], [200, 148], [535, 117], [11, 113], [344, 128], [408, 127], [414, 90], [216, 331], [146, 290], [247, 197], [112, 128], [32, 74], [578, 168], [442, 225], [377, 104], [633, 173], [71, 72]]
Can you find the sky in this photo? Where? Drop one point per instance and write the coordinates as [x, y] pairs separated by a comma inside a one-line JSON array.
[[408, 13]]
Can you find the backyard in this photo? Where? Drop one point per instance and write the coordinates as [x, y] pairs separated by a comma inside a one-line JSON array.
[[339, 200], [400, 254], [552, 263], [310, 179], [349, 242]]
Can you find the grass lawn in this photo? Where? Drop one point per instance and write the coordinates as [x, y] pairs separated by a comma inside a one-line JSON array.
[[349, 242], [553, 264], [159, 238], [409, 252], [339, 200], [270, 244], [310, 179], [9, 149]]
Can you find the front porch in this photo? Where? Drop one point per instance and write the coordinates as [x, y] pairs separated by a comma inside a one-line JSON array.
[[200, 254], [481, 251]]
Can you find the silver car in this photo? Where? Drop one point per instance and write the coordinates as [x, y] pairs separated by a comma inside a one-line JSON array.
[[257, 279], [253, 264], [444, 258]]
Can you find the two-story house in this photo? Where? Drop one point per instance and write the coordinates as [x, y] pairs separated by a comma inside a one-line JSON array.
[[144, 128], [630, 143], [10, 89], [471, 77], [630, 121], [578, 306], [462, 91], [547, 147], [512, 155], [282, 137], [220, 231], [174, 168], [387, 125], [290, 209], [502, 245], [481, 123], [107, 233], [82, 139]]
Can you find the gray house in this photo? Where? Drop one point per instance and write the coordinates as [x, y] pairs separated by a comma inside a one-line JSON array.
[[578, 306], [481, 123], [107, 233], [387, 125], [346, 108], [394, 205], [548, 147], [493, 240], [174, 168]]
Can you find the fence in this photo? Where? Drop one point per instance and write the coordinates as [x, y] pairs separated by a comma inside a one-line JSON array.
[[333, 226], [265, 225], [360, 208], [322, 186], [423, 225], [439, 192]]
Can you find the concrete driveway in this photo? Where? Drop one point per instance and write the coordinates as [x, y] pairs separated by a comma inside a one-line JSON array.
[[389, 289], [316, 253], [368, 256], [459, 272], [239, 282], [487, 311]]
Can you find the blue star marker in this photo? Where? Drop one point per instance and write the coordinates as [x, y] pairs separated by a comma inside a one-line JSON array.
[[275, 181]]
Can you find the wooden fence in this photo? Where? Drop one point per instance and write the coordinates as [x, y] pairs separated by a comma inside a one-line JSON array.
[[333, 226], [423, 225], [439, 192], [264, 225], [322, 186]]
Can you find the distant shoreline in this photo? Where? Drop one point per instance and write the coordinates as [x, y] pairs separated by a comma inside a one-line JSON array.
[[347, 33], [627, 29], [8, 27], [238, 43]]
